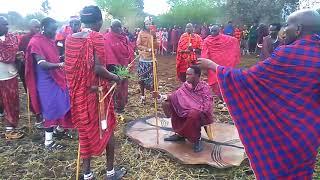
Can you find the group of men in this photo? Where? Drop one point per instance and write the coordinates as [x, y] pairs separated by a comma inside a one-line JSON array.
[[274, 104], [63, 75]]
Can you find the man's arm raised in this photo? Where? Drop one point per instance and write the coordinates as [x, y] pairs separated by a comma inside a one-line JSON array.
[[207, 64]]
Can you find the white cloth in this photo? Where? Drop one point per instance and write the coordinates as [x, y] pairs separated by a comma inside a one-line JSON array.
[[7, 71]]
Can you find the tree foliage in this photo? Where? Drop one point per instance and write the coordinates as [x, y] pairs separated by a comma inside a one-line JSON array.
[[36, 15], [128, 11], [195, 11], [248, 11], [17, 22], [45, 6]]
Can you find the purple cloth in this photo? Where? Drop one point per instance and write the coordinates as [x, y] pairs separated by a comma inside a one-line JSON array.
[[186, 99], [54, 100]]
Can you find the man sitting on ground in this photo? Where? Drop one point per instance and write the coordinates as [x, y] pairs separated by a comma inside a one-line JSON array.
[[189, 107]]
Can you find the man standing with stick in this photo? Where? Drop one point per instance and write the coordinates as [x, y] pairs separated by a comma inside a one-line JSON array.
[[119, 54], [86, 75]]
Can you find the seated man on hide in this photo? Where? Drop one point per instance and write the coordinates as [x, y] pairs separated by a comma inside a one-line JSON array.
[[189, 107]]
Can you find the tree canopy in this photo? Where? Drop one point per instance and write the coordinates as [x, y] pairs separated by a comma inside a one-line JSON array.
[[130, 12], [195, 11], [248, 11]]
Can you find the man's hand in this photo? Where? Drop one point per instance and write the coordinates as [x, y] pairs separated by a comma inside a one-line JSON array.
[[206, 64]]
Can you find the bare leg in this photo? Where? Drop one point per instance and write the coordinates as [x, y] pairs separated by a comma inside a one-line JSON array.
[[142, 88], [110, 153], [86, 165], [39, 118]]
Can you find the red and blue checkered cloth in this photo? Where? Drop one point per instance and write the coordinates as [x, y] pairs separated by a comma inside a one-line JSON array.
[[276, 108]]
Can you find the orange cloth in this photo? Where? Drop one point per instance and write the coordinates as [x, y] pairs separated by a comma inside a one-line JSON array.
[[184, 59]]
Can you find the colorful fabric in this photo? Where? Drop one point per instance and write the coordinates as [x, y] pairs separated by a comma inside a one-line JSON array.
[[63, 33], [79, 68], [41, 45], [47, 88], [8, 48], [277, 110], [145, 72], [54, 101], [184, 59], [192, 108], [118, 49], [223, 50], [9, 100], [23, 43], [228, 30], [9, 95], [237, 34]]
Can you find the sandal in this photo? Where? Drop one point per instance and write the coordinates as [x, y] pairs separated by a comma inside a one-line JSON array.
[[54, 146], [11, 135], [118, 174], [92, 177]]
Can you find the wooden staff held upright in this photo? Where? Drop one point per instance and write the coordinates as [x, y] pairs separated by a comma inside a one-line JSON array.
[[155, 86]]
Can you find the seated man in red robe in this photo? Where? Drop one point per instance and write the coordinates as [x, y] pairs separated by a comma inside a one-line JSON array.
[[189, 107], [224, 49]]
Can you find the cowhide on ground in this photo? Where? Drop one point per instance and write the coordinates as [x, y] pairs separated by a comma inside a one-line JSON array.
[[225, 150]]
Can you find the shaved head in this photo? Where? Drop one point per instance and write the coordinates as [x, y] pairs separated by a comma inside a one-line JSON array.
[[309, 19], [115, 22], [33, 22], [214, 30], [300, 23], [34, 25], [189, 28], [116, 26]]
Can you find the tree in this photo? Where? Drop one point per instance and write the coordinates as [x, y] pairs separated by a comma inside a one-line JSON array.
[[45, 6], [248, 11], [15, 20], [195, 11], [36, 15], [130, 12]]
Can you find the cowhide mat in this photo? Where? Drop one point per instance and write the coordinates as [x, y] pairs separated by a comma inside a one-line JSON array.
[[225, 150]]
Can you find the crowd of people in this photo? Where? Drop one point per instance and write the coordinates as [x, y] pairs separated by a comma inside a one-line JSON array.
[[68, 75]]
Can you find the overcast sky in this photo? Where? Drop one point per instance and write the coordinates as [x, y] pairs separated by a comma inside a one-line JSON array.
[[63, 9]]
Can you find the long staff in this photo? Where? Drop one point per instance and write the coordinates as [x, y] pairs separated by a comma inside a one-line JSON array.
[[28, 109], [78, 163], [156, 89]]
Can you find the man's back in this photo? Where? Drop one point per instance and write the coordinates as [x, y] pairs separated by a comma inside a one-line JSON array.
[[278, 108]]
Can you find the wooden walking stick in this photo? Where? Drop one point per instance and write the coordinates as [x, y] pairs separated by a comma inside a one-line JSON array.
[[78, 163], [28, 109], [155, 86], [101, 108]]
